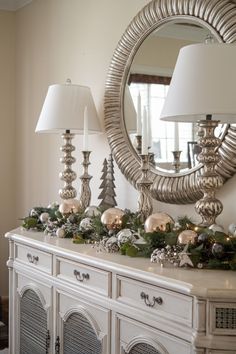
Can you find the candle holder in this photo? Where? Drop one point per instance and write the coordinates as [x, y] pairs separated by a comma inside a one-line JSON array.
[[68, 176], [138, 143], [85, 192], [152, 158], [144, 184], [176, 162]]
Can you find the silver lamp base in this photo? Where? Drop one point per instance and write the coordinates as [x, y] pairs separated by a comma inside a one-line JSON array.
[[209, 181]]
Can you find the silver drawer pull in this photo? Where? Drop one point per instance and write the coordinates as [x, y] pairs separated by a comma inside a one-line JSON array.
[[81, 277], [155, 300], [32, 259]]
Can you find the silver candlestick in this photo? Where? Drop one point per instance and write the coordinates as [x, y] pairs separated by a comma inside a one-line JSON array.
[[176, 162], [144, 185], [138, 143], [85, 192], [68, 176]]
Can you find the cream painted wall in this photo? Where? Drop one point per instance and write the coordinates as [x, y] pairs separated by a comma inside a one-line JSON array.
[[166, 55], [56, 40], [7, 138]]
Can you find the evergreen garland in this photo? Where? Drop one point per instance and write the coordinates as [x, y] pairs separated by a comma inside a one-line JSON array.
[[212, 250]]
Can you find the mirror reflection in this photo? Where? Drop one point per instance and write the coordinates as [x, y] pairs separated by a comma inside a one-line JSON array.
[[145, 93]]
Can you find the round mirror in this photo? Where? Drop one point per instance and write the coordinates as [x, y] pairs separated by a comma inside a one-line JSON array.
[[146, 89], [162, 22]]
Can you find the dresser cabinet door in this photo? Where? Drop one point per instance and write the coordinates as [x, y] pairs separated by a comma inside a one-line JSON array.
[[33, 317], [143, 348], [138, 338], [82, 327], [79, 336], [33, 324]]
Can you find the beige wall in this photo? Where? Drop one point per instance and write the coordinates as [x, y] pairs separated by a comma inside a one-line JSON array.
[[159, 52], [7, 138], [56, 40]]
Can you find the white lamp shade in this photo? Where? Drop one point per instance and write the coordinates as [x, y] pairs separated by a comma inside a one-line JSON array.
[[64, 107], [203, 82], [130, 114]]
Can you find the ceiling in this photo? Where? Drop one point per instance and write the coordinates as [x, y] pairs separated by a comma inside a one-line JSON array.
[[13, 5]]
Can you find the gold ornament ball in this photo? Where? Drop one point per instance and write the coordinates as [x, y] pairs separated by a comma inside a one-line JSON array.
[[157, 221], [69, 206], [187, 236], [112, 218]]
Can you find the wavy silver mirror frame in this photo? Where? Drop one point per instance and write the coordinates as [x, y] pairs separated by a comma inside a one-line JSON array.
[[220, 17]]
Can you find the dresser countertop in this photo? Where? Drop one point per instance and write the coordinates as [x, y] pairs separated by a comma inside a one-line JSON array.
[[201, 283]]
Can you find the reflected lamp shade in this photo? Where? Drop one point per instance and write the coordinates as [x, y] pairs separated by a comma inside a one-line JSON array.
[[203, 83], [64, 107]]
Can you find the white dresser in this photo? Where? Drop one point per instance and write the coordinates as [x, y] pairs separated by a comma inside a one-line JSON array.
[[67, 298]]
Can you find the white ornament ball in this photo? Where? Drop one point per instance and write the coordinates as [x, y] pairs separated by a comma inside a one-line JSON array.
[[44, 217], [216, 228], [86, 224], [124, 236], [92, 210], [60, 233], [232, 229], [33, 212]]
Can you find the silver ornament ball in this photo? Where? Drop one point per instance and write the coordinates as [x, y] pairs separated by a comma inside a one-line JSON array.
[[92, 211]]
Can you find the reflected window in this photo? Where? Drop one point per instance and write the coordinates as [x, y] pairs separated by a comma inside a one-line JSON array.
[[166, 136]]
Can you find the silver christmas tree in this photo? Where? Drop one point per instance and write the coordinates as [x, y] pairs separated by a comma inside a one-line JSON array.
[[107, 194]]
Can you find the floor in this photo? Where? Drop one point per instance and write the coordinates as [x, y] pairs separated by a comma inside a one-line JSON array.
[[4, 351]]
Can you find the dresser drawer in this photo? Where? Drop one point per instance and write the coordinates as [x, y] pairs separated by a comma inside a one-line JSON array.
[[84, 276], [34, 258], [155, 300]]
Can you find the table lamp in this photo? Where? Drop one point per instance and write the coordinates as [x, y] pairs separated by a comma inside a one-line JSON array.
[[203, 89], [69, 109]]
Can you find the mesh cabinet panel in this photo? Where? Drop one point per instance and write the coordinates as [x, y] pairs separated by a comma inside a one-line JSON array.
[[79, 336], [143, 348], [33, 324], [226, 318]]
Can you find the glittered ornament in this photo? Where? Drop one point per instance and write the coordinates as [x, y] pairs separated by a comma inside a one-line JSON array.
[[112, 244], [187, 236], [86, 224], [124, 236], [157, 222], [169, 254], [69, 206], [216, 228], [112, 218], [217, 250], [60, 233], [72, 218], [92, 211], [44, 217]]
